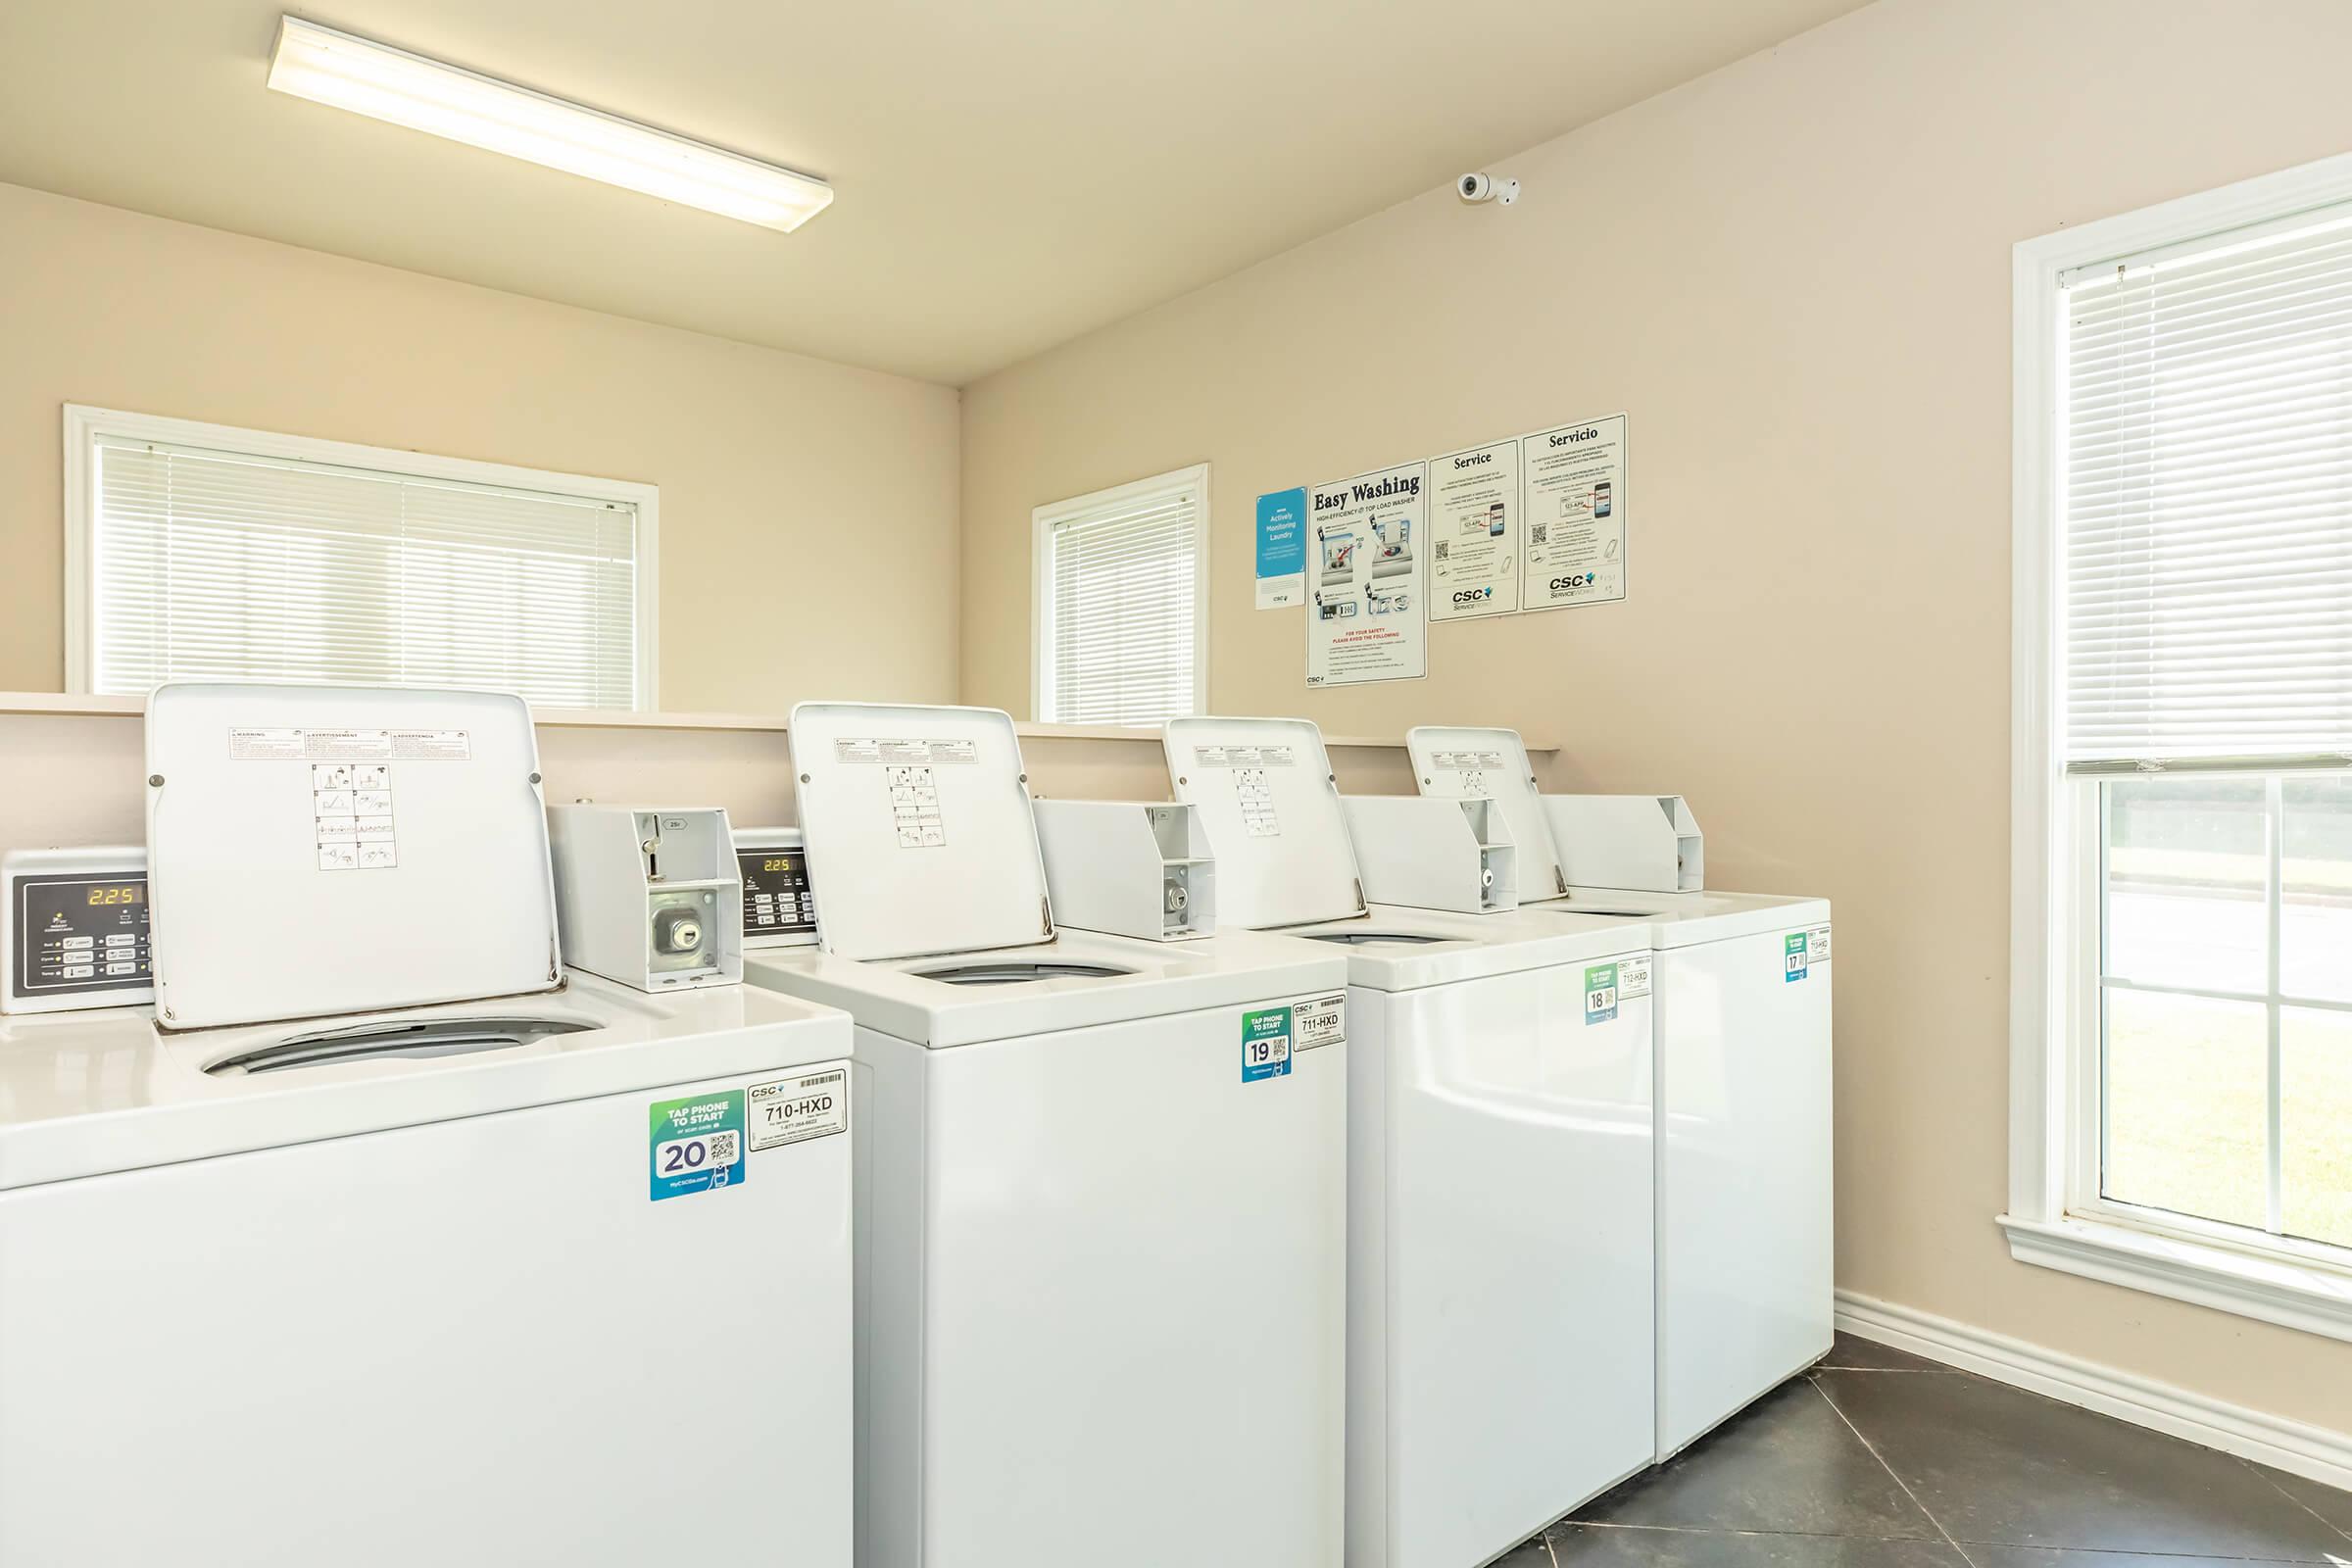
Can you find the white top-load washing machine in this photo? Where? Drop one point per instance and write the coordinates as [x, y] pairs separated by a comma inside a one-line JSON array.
[[1741, 1023], [457, 1280], [1100, 1200], [1500, 1266]]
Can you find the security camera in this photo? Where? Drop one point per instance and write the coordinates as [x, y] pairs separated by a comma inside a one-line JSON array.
[[1483, 187]]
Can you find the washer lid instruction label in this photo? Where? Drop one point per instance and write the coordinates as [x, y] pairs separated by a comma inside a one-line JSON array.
[[793, 1110], [903, 752], [273, 744], [696, 1145], [1600, 993]]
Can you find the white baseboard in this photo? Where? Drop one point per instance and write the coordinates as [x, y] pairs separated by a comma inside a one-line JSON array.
[[2291, 1445]]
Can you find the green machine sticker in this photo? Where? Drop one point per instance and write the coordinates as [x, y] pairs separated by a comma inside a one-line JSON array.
[[1600, 993], [1265, 1044], [696, 1145], [1799, 953]]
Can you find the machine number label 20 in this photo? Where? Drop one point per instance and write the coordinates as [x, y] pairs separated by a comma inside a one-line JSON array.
[[696, 1145]]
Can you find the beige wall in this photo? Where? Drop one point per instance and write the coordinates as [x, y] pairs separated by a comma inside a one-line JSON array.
[[1795, 276], [798, 497]]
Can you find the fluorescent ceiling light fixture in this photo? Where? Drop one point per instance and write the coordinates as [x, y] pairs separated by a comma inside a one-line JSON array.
[[391, 84]]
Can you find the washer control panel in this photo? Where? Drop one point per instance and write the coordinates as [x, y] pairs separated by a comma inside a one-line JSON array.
[[75, 930], [779, 909]]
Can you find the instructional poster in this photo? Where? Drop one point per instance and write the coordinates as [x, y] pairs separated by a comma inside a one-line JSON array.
[[1366, 555], [1281, 548], [1575, 488], [1474, 532]]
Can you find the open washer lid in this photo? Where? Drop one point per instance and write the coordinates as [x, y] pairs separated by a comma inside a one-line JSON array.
[[1466, 762], [918, 830], [1267, 800], [323, 850]]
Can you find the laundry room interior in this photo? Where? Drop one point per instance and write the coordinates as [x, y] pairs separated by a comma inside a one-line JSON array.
[[1010, 786]]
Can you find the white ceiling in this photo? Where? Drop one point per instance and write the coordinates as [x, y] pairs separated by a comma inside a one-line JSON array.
[[1010, 174]]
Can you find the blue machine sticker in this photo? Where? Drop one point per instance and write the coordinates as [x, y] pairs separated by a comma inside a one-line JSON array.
[[1600, 993], [696, 1145], [1265, 1044]]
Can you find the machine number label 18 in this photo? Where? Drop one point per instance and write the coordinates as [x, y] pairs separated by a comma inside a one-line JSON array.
[[1600, 993], [696, 1145]]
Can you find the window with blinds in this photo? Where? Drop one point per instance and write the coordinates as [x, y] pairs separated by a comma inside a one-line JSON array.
[[204, 561], [1120, 597], [2206, 473]]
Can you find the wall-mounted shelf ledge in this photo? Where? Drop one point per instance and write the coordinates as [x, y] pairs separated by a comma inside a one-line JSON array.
[[81, 705]]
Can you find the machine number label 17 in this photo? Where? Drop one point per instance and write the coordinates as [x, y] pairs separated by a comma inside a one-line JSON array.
[[1799, 957], [1600, 993], [696, 1146]]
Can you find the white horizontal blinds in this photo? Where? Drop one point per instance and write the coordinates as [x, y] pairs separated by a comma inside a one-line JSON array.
[[2208, 499], [213, 563], [1120, 616]]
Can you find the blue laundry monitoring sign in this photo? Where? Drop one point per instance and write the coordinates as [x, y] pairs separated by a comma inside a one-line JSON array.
[[1282, 549]]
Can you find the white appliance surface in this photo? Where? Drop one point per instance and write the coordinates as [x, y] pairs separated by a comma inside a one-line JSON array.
[[1745, 1167], [1265, 794], [918, 826], [1471, 762], [1501, 1262], [325, 849], [386, 1310], [1499, 1254], [1100, 1223]]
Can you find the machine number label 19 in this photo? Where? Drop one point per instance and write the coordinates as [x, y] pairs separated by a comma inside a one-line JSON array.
[[696, 1145], [793, 1110], [1265, 1044], [1600, 993], [1800, 952], [1270, 1035]]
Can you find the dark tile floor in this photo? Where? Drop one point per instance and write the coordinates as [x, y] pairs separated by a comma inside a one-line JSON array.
[[1879, 1459]]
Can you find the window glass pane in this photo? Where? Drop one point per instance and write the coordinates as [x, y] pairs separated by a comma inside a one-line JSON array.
[[2186, 867], [2187, 1106], [2315, 1075], [2315, 874]]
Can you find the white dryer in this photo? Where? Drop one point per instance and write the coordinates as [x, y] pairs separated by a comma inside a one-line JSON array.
[[1743, 1048], [1100, 1202], [1500, 1233], [515, 1280]]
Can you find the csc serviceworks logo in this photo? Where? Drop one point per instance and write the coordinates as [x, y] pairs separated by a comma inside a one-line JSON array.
[[1473, 595]]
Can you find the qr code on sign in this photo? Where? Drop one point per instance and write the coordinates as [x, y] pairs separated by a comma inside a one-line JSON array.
[[725, 1147], [1442, 552], [1536, 533]]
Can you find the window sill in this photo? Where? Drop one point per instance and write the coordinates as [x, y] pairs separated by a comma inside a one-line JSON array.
[[2293, 1292]]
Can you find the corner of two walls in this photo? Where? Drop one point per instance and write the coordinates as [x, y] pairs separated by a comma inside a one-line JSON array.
[[1793, 275]]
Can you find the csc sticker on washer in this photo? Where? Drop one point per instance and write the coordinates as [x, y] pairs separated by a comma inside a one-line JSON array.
[[1600, 993], [696, 1145], [1798, 952], [793, 1110]]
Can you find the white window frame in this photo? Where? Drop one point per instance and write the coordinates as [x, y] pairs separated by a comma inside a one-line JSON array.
[[85, 425], [1042, 523], [2057, 1217]]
